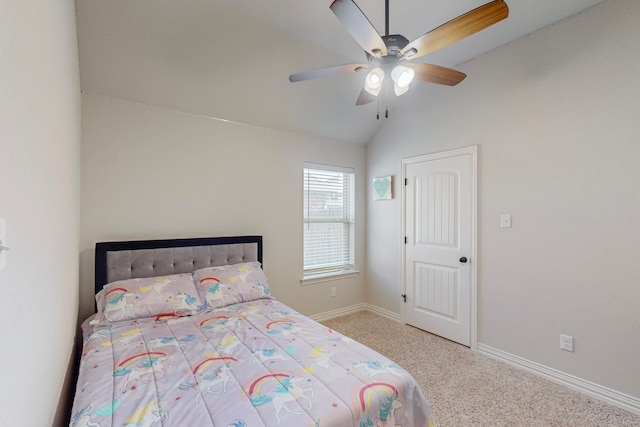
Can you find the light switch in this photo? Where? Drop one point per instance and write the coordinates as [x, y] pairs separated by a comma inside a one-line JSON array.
[[3, 244], [505, 220]]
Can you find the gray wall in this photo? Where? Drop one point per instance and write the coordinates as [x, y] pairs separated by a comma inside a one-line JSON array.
[[40, 199], [152, 173], [555, 118]]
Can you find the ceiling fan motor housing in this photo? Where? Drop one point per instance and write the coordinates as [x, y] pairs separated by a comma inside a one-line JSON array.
[[395, 43]]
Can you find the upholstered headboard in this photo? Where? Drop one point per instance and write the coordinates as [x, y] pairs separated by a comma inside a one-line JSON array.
[[149, 258]]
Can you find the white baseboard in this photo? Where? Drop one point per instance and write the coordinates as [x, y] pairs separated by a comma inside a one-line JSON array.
[[383, 312], [338, 312], [622, 400], [320, 317]]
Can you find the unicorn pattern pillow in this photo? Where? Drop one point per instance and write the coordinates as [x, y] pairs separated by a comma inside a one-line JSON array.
[[153, 296], [231, 284]]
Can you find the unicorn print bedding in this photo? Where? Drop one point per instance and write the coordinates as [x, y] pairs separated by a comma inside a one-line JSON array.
[[220, 351]]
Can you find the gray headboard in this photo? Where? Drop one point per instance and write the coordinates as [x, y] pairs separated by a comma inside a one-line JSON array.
[[149, 258]]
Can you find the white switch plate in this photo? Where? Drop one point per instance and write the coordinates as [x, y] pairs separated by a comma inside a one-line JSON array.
[[505, 220], [3, 238]]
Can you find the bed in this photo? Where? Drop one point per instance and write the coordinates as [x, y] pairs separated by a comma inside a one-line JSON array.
[[187, 333]]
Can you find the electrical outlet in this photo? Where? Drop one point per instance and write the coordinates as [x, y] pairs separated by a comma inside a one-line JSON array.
[[566, 343], [505, 220], [333, 291]]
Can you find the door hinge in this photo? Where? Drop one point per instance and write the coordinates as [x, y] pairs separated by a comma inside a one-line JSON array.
[[404, 297], [405, 181], [405, 240]]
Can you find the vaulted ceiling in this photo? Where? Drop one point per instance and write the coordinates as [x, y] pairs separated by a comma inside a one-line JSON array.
[[230, 59]]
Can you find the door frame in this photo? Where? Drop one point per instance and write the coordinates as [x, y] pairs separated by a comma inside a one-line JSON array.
[[473, 152]]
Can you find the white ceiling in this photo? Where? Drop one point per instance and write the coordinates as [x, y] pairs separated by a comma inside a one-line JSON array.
[[230, 59]]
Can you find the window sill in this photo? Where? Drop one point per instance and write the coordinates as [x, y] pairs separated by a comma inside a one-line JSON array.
[[327, 277]]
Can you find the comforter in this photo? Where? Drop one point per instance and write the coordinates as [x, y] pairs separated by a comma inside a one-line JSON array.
[[251, 364]]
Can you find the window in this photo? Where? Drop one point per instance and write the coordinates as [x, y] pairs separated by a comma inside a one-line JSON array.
[[328, 220]]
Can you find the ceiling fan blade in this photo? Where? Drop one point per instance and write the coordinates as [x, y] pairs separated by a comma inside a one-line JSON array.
[[437, 74], [458, 28], [326, 72], [359, 26], [365, 97]]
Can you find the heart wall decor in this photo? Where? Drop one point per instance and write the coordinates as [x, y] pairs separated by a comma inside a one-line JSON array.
[[382, 188]]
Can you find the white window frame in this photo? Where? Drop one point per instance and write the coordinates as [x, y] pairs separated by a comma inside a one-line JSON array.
[[344, 269]]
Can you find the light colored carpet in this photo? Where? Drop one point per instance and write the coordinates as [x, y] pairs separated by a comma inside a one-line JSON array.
[[469, 389]]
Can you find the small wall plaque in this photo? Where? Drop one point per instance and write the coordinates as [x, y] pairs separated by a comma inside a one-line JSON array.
[[382, 188]]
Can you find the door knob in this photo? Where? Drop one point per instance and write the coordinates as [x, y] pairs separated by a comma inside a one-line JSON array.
[[463, 259]]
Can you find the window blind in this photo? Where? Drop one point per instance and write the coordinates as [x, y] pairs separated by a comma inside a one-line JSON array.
[[328, 219]]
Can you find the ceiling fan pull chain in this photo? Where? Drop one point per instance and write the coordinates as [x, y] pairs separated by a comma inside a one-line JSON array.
[[386, 98]]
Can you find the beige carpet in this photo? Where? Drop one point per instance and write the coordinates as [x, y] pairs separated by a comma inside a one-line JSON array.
[[468, 389]]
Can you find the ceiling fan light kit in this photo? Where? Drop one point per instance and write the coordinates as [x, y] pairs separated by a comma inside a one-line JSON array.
[[389, 54], [373, 81], [402, 76]]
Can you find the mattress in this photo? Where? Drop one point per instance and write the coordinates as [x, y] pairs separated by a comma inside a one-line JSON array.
[[248, 364]]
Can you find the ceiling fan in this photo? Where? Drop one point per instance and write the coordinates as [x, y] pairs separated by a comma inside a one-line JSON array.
[[389, 54]]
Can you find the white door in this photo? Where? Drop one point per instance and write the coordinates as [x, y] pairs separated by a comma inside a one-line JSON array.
[[439, 264]]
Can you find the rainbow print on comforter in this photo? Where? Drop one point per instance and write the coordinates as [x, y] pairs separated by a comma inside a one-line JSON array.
[[252, 364]]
